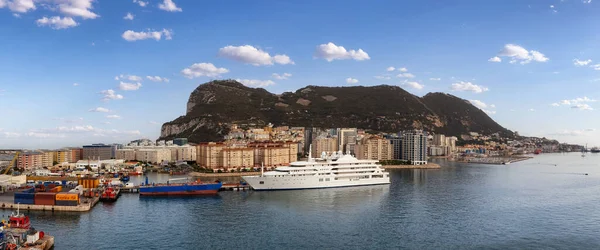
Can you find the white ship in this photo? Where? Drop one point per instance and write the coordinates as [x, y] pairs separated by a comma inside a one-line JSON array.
[[336, 170]]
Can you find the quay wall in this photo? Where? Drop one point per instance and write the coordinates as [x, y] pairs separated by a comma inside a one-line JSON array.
[[84, 207]]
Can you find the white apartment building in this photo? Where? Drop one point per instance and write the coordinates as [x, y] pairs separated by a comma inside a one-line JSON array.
[[414, 147]]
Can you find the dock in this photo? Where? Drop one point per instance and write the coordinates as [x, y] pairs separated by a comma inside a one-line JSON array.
[[86, 205]]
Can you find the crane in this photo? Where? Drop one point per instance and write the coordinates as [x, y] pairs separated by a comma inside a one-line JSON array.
[[12, 163]]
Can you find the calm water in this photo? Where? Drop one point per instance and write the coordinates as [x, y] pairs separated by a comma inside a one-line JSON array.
[[532, 204]]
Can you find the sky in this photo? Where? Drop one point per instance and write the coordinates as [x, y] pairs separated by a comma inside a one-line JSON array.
[[74, 72]]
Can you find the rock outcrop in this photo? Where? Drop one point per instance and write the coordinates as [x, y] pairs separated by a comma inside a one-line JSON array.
[[216, 104]]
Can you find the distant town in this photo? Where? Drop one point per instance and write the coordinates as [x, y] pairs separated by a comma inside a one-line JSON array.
[[249, 148]]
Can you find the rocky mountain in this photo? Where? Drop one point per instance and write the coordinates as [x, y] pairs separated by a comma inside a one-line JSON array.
[[216, 104]]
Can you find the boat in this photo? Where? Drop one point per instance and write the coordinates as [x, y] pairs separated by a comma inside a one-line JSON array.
[[180, 189], [537, 151], [124, 178], [17, 233], [110, 194], [335, 170], [595, 150]]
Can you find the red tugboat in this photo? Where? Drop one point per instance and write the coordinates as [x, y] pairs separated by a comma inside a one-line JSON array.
[[110, 194], [17, 233]]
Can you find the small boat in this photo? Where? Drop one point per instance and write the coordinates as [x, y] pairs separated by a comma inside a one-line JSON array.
[[125, 178], [110, 194]]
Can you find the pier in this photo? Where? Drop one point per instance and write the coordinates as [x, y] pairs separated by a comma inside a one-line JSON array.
[[86, 205]]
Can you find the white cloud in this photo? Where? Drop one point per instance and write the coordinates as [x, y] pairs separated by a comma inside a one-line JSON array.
[[575, 102], [100, 109], [57, 22], [140, 3], [551, 6], [468, 86], [283, 76], [519, 54], [203, 69], [492, 106], [478, 104], [495, 59], [11, 134], [110, 95], [331, 52], [435, 79], [251, 55], [113, 117], [21, 6], [414, 85], [351, 80], [532, 110], [131, 35], [256, 83], [78, 8], [282, 59], [587, 1], [157, 79], [578, 62], [383, 77], [406, 75], [129, 16], [596, 66], [582, 106], [153, 122], [567, 132], [132, 78], [129, 86], [391, 68], [75, 84], [403, 69], [169, 5]]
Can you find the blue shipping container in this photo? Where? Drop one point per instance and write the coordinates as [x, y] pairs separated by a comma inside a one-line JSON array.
[[26, 196], [27, 190], [24, 201]]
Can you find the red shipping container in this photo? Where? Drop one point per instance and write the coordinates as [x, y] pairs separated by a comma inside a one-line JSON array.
[[45, 199]]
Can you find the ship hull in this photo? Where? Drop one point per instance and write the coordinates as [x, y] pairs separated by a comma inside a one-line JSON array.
[[181, 190], [293, 183]]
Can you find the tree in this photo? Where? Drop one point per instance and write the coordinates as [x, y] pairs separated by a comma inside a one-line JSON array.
[[54, 163]]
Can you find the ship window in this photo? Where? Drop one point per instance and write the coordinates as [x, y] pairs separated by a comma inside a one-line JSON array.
[[321, 179], [327, 179], [261, 182]]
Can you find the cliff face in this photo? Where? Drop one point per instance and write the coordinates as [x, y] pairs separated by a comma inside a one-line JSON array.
[[215, 104]]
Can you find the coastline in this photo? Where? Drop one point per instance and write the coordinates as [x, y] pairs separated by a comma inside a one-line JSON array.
[[425, 166], [495, 160]]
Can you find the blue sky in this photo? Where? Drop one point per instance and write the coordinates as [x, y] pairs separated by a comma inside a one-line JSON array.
[[57, 56]]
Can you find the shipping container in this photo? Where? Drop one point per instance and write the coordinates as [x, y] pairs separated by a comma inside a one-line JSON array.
[[26, 196], [67, 203], [27, 190], [51, 186], [45, 198], [24, 201], [56, 189], [89, 182], [67, 196]]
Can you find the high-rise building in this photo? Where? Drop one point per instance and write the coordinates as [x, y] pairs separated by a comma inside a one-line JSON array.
[[218, 155], [414, 147], [451, 142], [346, 136], [439, 140], [76, 155], [97, 152], [30, 160], [396, 148], [374, 148], [324, 144]]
